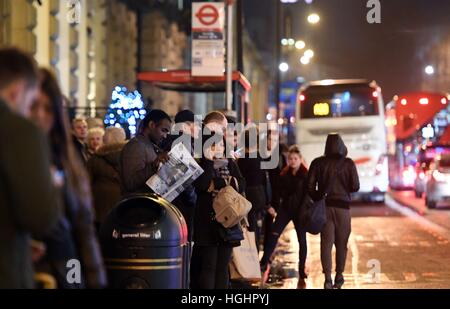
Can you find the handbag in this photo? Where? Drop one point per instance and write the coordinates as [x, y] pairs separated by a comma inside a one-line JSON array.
[[313, 214], [244, 265], [230, 207], [232, 236]]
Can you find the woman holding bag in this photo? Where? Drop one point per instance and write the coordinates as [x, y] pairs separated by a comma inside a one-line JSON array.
[[213, 243], [293, 188]]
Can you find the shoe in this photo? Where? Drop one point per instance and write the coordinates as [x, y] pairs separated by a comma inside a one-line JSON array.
[[301, 285], [338, 281], [328, 285]]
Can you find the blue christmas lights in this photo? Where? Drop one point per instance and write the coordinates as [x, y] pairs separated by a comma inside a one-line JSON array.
[[125, 110]]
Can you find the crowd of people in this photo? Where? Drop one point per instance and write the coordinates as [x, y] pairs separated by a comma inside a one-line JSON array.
[[60, 179]]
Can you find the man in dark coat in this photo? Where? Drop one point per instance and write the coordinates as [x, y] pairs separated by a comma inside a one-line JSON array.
[[79, 137], [185, 131], [28, 202]]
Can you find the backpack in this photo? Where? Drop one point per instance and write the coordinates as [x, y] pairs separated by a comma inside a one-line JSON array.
[[230, 206]]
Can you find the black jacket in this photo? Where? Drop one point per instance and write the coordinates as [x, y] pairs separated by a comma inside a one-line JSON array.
[[274, 179], [206, 228], [255, 181], [334, 167], [81, 149], [292, 189]]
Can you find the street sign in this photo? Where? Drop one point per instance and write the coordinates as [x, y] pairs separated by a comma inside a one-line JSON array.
[[207, 15], [208, 39]]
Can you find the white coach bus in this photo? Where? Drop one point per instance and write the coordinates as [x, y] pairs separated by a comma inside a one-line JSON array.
[[354, 108]]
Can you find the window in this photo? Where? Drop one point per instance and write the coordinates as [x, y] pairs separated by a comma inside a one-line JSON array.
[[339, 101]]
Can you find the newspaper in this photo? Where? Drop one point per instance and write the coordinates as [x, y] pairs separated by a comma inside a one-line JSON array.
[[176, 174]]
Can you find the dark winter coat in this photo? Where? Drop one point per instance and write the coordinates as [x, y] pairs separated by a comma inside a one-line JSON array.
[[335, 167], [206, 229], [255, 180], [103, 170], [186, 201], [136, 164], [28, 203], [81, 149], [292, 189], [74, 237]]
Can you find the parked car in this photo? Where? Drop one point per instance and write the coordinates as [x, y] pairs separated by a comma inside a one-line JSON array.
[[438, 182], [424, 159]]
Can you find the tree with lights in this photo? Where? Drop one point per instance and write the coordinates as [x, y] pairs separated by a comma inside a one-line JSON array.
[[125, 110]]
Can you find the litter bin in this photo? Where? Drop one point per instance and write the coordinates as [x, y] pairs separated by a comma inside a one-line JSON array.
[[144, 244]]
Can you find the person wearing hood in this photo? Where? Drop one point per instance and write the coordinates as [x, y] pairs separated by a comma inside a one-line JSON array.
[[336, 174], [103, 169]]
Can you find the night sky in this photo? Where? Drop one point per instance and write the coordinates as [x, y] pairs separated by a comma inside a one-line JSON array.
[[346, 46]]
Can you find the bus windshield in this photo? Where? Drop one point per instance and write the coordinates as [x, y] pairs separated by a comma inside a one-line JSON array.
[[339, 101]]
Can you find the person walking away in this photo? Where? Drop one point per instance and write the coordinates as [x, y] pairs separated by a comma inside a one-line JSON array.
[[211, 253], [336, 174], [74, 236], [141, 156], [28, 203], [103, 168], [293, 188]]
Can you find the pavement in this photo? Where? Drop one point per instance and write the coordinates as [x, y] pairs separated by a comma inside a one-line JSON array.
[[439, 216], [391, 246]]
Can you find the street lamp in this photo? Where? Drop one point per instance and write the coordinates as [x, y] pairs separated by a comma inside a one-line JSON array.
[[313, 18], [284, 67], [309, 53], [429, 70], [300, 44], [305, 60]]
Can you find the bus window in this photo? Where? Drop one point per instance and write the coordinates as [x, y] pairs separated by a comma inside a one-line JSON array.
[[338, 101]]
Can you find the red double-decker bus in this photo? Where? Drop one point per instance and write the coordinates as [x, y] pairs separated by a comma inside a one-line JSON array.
[[414, 121]]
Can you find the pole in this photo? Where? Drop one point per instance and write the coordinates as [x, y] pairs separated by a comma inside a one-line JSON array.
[[240, 27], [277, 56], [229, 70]]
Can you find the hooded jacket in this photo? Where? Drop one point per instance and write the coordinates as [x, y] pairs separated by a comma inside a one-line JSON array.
[[333, 169]]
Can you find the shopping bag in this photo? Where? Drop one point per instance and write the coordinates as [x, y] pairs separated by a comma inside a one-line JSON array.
[[245, 261]]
